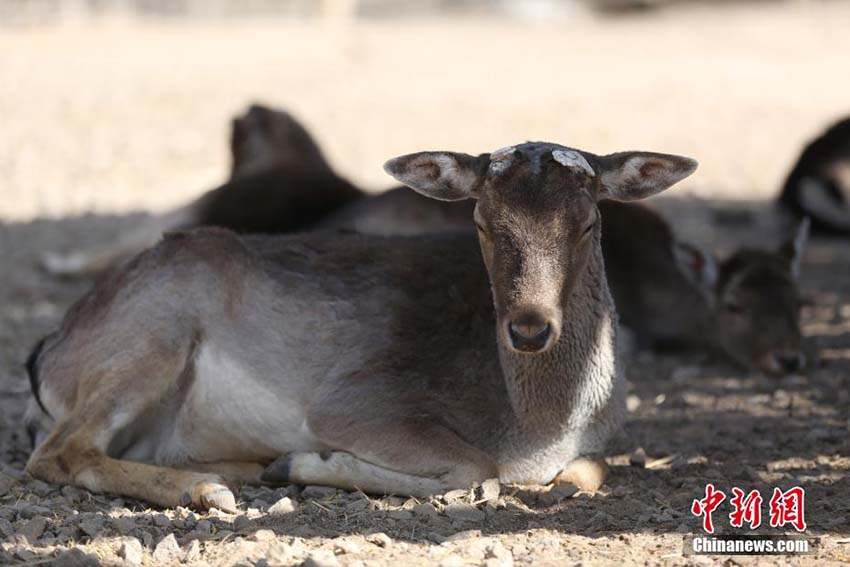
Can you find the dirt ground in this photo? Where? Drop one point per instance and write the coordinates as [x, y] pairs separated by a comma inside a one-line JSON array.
[[124, 116]]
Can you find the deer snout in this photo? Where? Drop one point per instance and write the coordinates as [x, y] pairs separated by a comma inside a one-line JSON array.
[[531, 332]]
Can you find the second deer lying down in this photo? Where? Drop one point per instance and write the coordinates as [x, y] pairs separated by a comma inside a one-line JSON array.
[[393, 365]]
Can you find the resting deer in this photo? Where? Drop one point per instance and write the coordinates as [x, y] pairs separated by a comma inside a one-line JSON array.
[[392, 365], [818, 185], [279, 179]]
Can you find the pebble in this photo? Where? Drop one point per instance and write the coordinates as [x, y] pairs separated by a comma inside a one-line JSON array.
[[455, 495], [321, 558], [242, 523], [193, 551], [92, 527], [33, 529], [313, 492], [426, 509], [464, 512], [489, 490], [162, 521], [167, 550], [557, 494], [124, 525], [497, 555], [6, 484], [131, 551], [466, 534], [263, 535], [281, 507], [380, 539], [345, 545], [400, 514]]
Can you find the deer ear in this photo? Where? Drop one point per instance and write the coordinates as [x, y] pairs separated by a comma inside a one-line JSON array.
[[445, 176], [698, 266], [628, 176], [793, 250]]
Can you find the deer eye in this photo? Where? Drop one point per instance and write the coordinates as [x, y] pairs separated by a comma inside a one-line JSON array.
[[480, 228], [589, 228]]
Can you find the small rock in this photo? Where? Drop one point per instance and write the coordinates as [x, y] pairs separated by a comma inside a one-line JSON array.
[[426, 509], [452, 561], [281, 507], [124, 525], [464, 512], [497, 555], [131, 551], [489, 490], [242, 523], [557, 494], [345, 545], [161, 521], [313, 492], [92, 527], [33, 529], [466, 534], [203, 526], [321, 558], [632, 403], [400, 514], [638, 458], [167, 550], [380, 539], [6, 528], [193, 551], [25, 554], [39, 487], [147, 539], [6, 484], [455, 495], [263, 535]]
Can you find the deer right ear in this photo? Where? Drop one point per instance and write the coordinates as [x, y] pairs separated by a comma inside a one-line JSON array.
[[699, 267], [628, 176], [445, 176]]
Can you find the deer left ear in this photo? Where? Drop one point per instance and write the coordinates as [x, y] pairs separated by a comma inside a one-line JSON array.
[[445, 176], [793, 250], [628, 176]]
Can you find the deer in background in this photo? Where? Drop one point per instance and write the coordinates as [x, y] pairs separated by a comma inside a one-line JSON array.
[[818, 185], [393, 365]]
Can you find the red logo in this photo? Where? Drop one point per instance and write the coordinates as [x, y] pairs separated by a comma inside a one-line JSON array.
[[788, 508], [707, 505], [747, 509], [785, 508]]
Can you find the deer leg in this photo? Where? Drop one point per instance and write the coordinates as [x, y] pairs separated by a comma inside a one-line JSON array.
[[71, 455], [396, 458]]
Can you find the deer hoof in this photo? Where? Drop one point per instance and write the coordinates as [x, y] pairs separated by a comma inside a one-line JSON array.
[[206, 495], [587, 473]]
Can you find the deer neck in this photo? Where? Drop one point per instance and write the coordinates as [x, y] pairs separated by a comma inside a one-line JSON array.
[[559, 390]]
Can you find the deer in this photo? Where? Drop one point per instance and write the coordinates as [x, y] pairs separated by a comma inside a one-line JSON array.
[[392, 365], [279, 178], [818, 186]]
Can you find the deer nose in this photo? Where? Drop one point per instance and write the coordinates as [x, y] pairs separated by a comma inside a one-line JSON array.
[[790, 362], [529, 333]]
